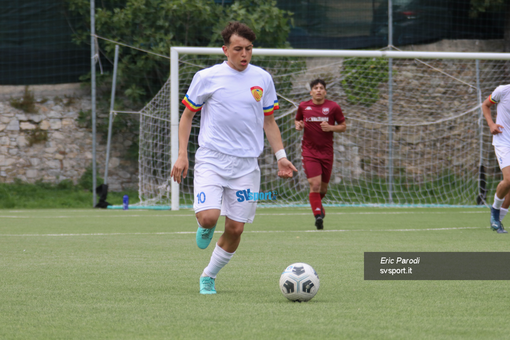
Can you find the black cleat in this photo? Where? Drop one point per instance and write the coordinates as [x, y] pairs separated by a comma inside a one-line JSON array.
[[319, 223]]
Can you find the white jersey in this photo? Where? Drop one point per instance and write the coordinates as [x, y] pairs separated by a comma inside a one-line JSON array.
[[501, 96], [233, 105]]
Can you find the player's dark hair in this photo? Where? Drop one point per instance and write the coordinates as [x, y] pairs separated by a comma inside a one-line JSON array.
[[235, 27], [316, 82]]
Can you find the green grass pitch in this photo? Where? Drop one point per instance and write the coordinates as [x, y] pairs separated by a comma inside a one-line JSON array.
[[113, 274]]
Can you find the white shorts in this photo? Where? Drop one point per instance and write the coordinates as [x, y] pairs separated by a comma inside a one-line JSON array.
[[503, 156], [213, 190]]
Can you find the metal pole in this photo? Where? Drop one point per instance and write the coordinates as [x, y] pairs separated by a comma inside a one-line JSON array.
[[390, 131], [351, 53], [481, 175], [174, 119], [480, 113], [390, 23], [110, 123], [93, 95], [390, 104]]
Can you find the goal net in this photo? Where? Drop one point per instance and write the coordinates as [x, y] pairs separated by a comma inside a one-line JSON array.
[[415, 130]]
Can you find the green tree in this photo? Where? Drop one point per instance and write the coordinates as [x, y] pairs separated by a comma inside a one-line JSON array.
[[270, 24], [155, 26]]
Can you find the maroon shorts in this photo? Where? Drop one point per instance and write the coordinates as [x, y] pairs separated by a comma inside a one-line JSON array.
[[318, 166]]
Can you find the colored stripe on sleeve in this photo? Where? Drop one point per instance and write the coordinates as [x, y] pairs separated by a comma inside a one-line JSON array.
[[268, 110], [490, 98], [276, 105], [190, 105]]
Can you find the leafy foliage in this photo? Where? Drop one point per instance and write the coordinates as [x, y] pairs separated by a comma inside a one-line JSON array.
[[362, 77], [270, 24], [155, 26]]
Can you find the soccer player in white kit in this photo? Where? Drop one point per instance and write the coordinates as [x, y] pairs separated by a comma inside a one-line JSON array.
[[237, 101], [501, 140]]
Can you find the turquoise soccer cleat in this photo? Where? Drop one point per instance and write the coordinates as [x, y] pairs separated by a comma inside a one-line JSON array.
[[495, 222], [204, 237], [207, 285]]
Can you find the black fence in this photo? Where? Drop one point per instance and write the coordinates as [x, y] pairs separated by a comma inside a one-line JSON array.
[[344, 24], [36, 45]]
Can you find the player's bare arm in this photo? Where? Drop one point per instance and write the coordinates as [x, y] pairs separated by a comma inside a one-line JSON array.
[[285, 167], [299, 125], [180, 168], [333, 128], [486, 108]]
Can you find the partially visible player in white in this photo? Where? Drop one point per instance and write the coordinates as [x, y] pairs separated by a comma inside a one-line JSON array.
[[501, 141], [237, 101]]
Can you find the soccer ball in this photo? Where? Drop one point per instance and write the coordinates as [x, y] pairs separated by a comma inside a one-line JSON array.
[[299, 282]]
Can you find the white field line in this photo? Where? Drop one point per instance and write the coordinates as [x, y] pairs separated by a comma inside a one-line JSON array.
[[275, 214], [246, 231]]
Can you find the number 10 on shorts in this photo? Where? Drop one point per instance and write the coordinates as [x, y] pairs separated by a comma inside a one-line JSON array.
[[201, 197]]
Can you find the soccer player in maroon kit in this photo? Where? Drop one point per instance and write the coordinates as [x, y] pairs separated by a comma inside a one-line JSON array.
[[318, 117]]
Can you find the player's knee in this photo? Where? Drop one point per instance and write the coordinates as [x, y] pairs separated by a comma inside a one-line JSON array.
[[315, 188], [506, 182], [207, 221], [234, 230]]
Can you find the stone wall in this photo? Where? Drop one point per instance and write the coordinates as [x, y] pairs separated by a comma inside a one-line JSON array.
[[67, 150]]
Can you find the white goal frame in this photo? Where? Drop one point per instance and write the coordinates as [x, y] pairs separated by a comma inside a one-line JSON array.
[[175, 52]]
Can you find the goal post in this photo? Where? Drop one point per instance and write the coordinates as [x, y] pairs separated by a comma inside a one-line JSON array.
[[415, 128], [174, 118]]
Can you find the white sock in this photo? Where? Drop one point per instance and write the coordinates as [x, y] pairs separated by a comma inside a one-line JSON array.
[[502, 213], [497, 202], [219, 259]]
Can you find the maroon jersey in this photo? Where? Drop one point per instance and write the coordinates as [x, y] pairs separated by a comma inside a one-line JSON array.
[[318, 143]]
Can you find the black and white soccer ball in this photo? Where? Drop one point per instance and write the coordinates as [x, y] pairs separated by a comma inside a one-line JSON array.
[[299, 282]]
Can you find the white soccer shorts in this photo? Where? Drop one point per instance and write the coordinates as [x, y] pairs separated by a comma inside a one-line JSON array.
[[218, 191], [503, 156]]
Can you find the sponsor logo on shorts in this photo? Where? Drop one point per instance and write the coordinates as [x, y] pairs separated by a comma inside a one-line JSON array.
[[247, 195]]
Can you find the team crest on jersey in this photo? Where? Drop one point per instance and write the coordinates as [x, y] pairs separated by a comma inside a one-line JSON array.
[[325, 110], [257, 92]]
